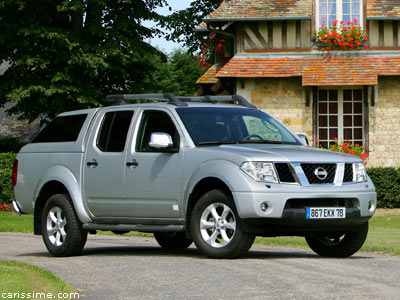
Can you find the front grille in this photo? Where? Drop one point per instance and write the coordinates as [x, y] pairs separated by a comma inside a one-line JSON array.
[[284, 173], [320, 202], [348, 173], [310, 170]]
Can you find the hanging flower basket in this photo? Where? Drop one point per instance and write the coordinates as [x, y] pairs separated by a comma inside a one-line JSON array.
[[341, 36]]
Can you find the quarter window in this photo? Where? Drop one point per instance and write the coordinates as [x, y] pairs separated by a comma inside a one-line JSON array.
[[114, 130], [341, 10]]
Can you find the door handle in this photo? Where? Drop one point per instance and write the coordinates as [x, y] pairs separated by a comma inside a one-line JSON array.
[[132, 163], [92, 163]]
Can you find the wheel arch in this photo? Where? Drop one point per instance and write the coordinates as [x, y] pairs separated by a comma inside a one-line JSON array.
[[58, 180]]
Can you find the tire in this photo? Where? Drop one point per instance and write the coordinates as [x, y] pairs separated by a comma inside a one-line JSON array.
[[341, 244], [62, 231], [216, 227], [172, 240]]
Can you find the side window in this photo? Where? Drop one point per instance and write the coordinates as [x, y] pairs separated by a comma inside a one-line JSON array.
[[61, 129], [155, 121], [262, 128], [114, 130]]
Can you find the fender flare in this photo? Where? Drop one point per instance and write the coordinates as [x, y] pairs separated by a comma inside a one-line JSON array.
[[66, 177]]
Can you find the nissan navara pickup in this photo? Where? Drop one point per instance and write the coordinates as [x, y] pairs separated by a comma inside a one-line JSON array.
[[214, 170]]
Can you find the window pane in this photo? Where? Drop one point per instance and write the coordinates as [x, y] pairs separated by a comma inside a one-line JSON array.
[[61, 129], [358, 133], [333, 133], [333, 121], [357, 120], [323, 108], [358, 95], [347, 121], [333, 108], [323, 95], [323, 121], [347, 95], [355, 9], [333, 95], [346, 9], [332, 8], [348, 107], [346, 19], [358, 107], [114, 131], [323, 8], [323, 134], [348, 134]]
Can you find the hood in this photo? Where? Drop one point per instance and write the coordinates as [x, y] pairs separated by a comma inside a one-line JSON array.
[[288, 153]]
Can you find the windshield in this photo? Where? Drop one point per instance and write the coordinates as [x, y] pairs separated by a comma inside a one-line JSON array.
[[217, 126]]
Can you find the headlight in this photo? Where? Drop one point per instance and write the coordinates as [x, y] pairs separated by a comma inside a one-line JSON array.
[[359, 172], [260, 171]]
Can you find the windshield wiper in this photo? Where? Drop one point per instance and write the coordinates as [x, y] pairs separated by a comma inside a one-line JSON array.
[[260, 142], [217, 143]]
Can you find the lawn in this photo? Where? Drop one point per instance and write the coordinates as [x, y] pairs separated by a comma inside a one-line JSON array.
[[383, 236], [24, 279]]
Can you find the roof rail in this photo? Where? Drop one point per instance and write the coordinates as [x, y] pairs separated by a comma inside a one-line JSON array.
[[179, 101]]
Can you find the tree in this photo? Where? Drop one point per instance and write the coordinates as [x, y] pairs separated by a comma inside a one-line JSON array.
[[182, 23], [68, 54], [177, 75]]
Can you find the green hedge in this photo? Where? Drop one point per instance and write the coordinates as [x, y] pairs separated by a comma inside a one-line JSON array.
[[387, 184], [386, 180], [6, 165], [9, 144]]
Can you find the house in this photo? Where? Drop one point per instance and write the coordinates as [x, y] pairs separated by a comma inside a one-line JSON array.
[[277, 64]]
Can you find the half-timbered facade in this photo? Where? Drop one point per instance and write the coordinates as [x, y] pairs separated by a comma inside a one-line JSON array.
[[277, 64]]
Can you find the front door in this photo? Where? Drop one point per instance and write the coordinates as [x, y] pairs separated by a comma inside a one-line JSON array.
[[153, 181], [340, 115]]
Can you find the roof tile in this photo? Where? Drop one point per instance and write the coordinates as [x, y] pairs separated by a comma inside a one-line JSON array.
[[319, 71]]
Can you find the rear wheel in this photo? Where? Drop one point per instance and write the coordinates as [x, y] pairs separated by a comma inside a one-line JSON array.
[[338, 244], [216, 227], [172, 240], [61, 229]]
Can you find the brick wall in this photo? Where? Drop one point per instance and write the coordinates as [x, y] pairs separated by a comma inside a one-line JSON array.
[[283, 98], [384, 135]]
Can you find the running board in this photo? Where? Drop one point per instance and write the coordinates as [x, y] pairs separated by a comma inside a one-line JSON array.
[[141, 228]]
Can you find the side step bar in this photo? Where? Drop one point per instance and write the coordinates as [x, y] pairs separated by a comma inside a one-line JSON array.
[[141, 228]]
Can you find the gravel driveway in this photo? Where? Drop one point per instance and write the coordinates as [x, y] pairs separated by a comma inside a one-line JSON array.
[[118, 267]]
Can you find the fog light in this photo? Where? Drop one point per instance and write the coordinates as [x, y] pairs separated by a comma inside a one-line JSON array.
[[370, 205], [264, 206]]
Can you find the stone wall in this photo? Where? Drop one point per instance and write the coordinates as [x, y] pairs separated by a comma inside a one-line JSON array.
[[283, 98], [384, 128]]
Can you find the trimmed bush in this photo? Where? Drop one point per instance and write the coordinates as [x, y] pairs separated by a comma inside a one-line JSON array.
[[9, 144], [6, 165], [387, 184]]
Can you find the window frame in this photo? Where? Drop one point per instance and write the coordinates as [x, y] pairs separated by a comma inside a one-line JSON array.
[[340, 115], [339, 13]]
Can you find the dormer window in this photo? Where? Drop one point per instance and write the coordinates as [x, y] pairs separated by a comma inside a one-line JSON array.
[[342, 10]]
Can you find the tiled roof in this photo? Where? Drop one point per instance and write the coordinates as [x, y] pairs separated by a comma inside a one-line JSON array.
[[383, 8], [209, 75], [315, 70], [262, 9]]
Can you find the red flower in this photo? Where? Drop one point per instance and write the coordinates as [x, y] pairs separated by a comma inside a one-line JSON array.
[[335, 138]]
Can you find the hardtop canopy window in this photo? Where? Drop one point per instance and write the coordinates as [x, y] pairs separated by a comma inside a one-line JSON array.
[[61, 129], [212, 125]]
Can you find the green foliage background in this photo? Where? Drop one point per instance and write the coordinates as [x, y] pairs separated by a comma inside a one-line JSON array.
[[387, 184], [6, 165]]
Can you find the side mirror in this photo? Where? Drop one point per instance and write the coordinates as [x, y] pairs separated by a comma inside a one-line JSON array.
[[161, 140], [303, 139]]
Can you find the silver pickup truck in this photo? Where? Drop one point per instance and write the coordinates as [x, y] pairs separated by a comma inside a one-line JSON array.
[[214, 170]]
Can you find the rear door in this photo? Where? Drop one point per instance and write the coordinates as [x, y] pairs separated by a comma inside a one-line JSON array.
[[104, 163]]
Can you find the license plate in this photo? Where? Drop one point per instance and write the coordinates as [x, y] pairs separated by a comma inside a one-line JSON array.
[[325, 213]]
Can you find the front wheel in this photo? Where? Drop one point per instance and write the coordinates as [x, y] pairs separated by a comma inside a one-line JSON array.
[[62, 231], [338, 244], [216, 227], [172, 240]]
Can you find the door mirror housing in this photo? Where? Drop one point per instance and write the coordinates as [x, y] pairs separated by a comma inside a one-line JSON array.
[[303, 139], [161, 141]]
